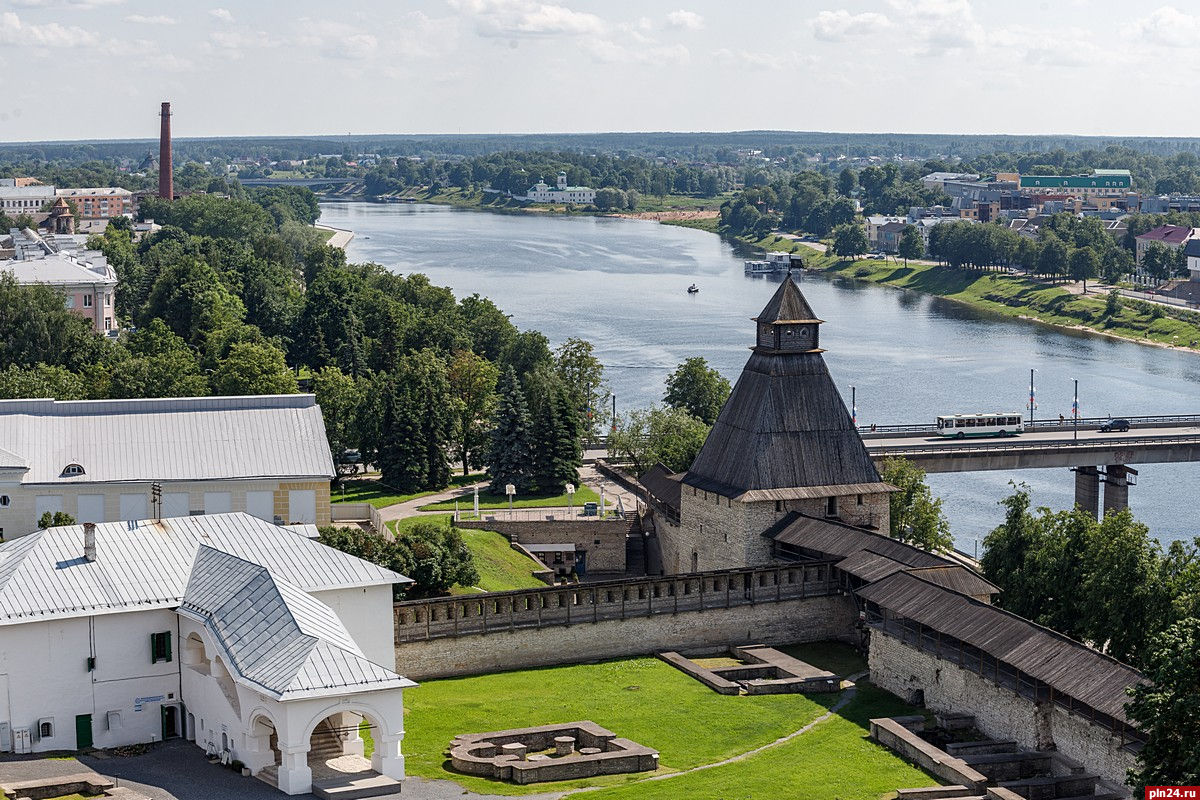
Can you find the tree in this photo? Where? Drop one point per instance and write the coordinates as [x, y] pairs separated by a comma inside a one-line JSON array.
[[340, 398], [582, 374], [160, 364], [439, 559], [35, 328], [1167, 709], [846, 182], [1084, 264], [253, 368], [41, 380], [916, 517], [1158, 261], [510, 455], [698, 389], [418, 420], [472, 380], [190, 297], [670, 436], [56, 519], [850, 240], [1053, 258], [911, 243]]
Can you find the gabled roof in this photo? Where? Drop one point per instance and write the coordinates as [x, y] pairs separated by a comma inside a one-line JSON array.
[[662, 484], [1071, 668], [786, 305], [144, 565], [1173, 234], [276, 638], [168, 439]]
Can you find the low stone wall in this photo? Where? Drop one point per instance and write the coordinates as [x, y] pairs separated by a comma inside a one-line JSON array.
[[810, 619], [934, 760], [1000, 713], [604, 542], [88, 784], [707, 677]]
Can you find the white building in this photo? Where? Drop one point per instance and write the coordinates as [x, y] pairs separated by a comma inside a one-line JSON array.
[[239, 635], [84, 278], [97, 460], [562, 193], [17, 200]]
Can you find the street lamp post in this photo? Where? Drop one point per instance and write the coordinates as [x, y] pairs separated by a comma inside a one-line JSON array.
[[571, 500], [854, 406], [1032, 397], [510, 490], [1075, 412]]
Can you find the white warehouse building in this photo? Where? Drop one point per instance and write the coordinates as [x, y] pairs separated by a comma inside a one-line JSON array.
[[97, 460], [243, 636]]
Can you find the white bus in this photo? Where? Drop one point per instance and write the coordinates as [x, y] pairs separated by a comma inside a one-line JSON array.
[[961, 426]]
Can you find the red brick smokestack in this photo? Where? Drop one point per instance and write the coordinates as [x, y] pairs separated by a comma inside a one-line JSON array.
[[166, 186]]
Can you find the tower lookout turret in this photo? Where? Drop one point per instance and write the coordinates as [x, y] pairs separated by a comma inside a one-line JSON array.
[[784, 442]]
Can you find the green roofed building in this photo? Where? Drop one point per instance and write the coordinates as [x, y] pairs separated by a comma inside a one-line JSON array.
[[1101, 183]]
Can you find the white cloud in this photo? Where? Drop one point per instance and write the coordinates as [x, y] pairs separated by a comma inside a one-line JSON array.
[[222, 14], [1166, 26], [834, 26], [335, 39], [76, 4], [506, 18], [687, 20], [606, 51], [14, 32], [938, 27], [761, 59], [158, 20]]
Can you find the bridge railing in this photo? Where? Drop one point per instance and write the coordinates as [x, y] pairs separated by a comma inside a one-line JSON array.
[[494, 612], [954, 447], [1162, 420]]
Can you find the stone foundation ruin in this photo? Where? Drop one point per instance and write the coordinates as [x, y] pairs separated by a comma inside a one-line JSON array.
[[549, 753], [762, 670]]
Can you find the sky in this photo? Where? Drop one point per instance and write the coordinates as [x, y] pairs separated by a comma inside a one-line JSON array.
[[98, 69]]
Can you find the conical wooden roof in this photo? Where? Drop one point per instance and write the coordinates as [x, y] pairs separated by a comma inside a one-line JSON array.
[[787, 305], [784, 433]]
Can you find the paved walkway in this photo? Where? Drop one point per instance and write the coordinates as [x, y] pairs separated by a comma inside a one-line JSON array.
[[340, 237]]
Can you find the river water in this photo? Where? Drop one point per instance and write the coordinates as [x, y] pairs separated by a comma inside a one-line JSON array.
[[621, 284]]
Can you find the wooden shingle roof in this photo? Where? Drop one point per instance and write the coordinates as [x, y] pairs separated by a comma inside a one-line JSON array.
[[787, 305], [1069, 667]]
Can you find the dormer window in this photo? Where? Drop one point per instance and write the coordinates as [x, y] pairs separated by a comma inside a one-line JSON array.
[[71, 470]]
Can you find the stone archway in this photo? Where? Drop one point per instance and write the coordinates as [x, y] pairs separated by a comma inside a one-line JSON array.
[[262, 754], [344, 721]]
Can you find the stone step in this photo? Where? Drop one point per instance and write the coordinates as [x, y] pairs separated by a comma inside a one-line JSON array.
[[933, 793], [269, 775], [371, 785]]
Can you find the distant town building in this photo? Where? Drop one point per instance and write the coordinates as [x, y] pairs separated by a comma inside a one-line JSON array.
[[1172, 237], [1101, 183], [84, 278], [561, 193], [937, 180], [16, 200], [100, 203]]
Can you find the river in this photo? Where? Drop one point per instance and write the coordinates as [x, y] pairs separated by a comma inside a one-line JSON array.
[[621, 284]]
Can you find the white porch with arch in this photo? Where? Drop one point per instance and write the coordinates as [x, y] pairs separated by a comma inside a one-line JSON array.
[[270, 675]]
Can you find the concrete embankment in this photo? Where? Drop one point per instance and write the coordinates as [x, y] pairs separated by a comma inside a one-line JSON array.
[[340, 237]]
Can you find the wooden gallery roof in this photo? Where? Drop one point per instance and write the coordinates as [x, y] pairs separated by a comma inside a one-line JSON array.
[[1069, 667], [784, 433]]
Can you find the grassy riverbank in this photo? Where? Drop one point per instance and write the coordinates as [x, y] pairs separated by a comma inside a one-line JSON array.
[[1012, 295]]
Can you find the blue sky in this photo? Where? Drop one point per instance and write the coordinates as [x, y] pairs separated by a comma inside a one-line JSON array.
[[509, 66]]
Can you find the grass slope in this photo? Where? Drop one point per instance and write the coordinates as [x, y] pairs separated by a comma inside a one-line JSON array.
[[501, 568]]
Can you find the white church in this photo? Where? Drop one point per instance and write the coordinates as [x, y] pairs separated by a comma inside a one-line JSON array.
[[243, 636], [561, 193]]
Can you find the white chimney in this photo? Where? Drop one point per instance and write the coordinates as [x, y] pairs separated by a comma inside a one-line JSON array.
[[89, 541]]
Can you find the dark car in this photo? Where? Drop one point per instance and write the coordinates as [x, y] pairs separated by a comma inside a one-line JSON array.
[[1121, 425]]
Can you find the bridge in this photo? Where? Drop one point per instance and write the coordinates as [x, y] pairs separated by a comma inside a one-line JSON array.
[[310, 182], [1096, 458]]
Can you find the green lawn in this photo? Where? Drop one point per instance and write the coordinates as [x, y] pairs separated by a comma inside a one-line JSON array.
[[367, 490], [488, 500], [501, 568], [325, 233], [654, 704]]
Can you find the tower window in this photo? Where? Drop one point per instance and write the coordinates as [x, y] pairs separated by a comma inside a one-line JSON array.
[[831, 507], [860, 502]]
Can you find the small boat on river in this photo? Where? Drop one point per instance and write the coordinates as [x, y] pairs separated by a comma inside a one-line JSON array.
[[693, 289]]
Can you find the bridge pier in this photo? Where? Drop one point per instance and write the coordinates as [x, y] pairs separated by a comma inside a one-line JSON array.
[[1087, 489], [1117, 480]]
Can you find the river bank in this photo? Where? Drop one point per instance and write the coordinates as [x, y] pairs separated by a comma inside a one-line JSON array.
[[1062, 306]]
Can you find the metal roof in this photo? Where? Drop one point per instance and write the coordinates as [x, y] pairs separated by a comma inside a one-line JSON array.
[[59, 269], [168, 439], [1069, 667], [141, 565], [275, 637]]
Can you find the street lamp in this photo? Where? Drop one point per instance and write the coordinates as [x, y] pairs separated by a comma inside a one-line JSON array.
[[1032, 397], [570, 500], [1075, 411], [854, 406], [510, 490]]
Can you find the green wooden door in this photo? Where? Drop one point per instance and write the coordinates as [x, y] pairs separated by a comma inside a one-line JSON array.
[[83, 731]]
